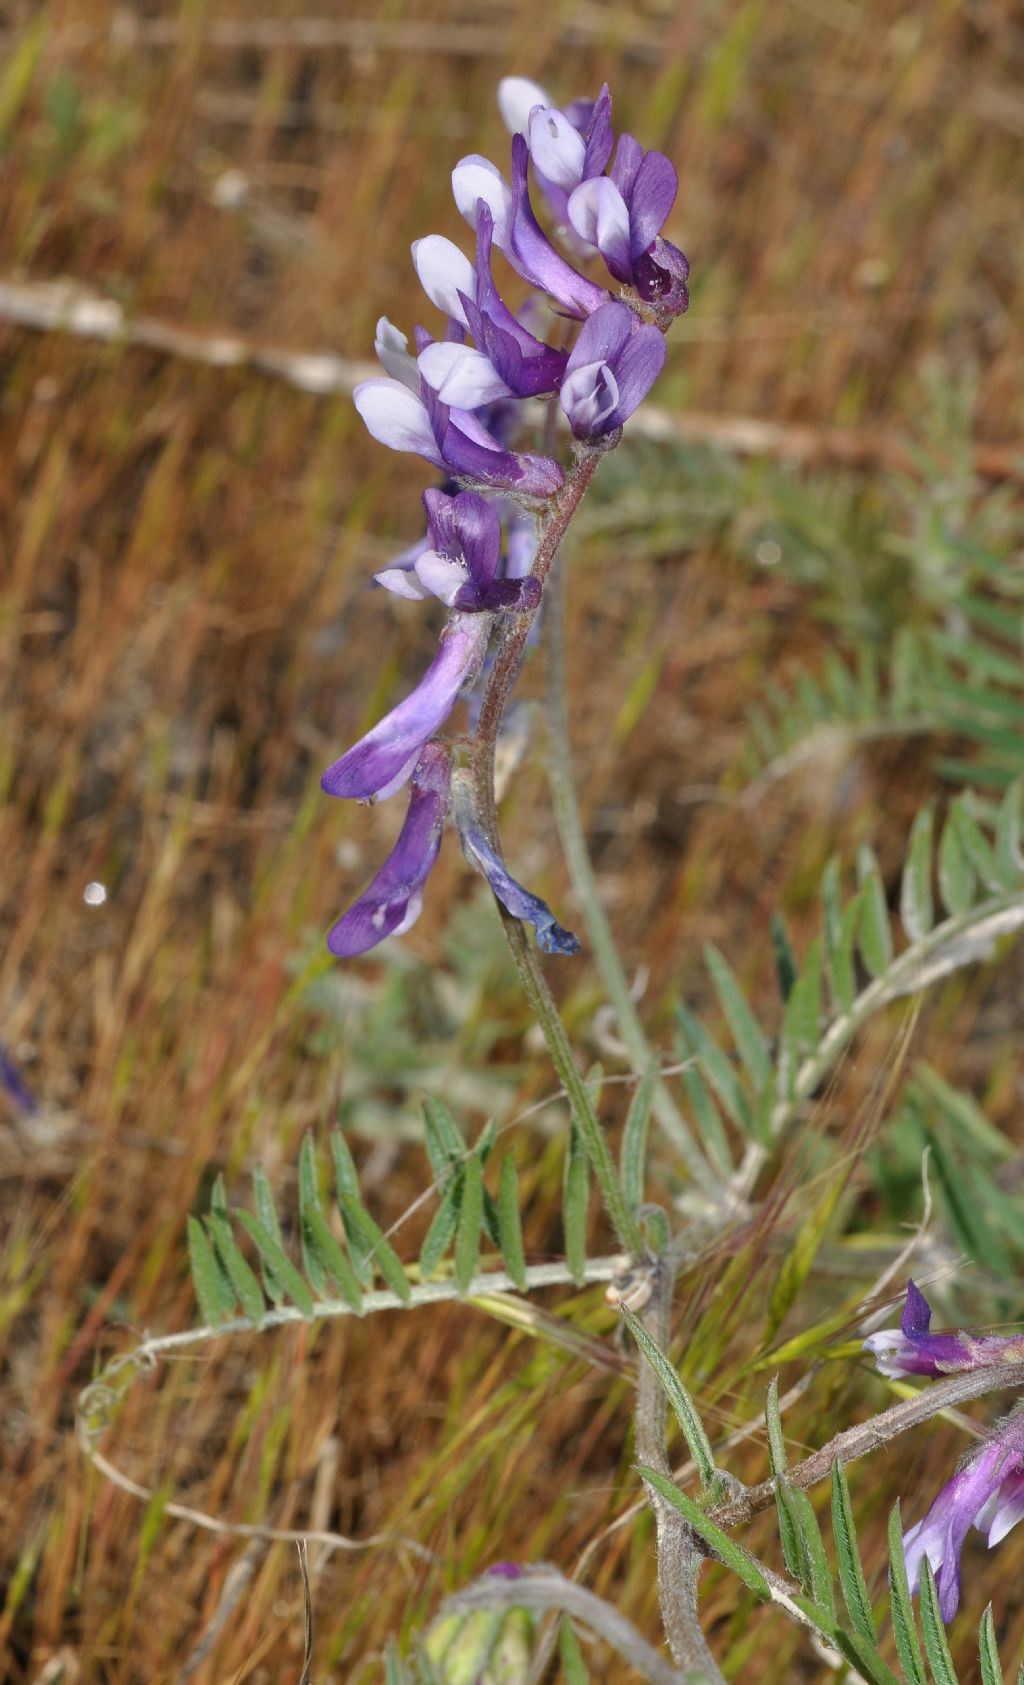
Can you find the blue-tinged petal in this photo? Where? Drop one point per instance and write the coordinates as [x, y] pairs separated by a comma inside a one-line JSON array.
[[637, 367], [376, 760], [599, 135], [394, 356], [393, 900], [629, 155], [530, 909], [589, 398]]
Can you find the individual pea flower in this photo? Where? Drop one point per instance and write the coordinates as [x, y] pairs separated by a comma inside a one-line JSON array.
[[508, 361], [613, 366], [986, 1493], [913, 1350], [523, 905], [381, 762], [392, 903], [404, 412], [461, 561]]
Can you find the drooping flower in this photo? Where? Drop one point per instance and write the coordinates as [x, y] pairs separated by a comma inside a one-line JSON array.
[[913, 1350], [381, 761], [461, 561], [392, 903], [523, 905], [613, 366], [986, 1493]]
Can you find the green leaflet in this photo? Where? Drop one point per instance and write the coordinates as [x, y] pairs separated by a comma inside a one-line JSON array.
[[904, 1627], [375, 1246], [746, 1033], [244, 1282], [875, 931], [682, 1404], [988, 1651], [633, 1151], [917, 905], [467, 1238], [935, 1643], [575, 1200], [851, 1572], [213, 1290], [725, 1548], [274, 1256]]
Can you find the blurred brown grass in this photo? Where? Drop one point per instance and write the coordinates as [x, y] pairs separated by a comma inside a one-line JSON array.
[[186, 638]]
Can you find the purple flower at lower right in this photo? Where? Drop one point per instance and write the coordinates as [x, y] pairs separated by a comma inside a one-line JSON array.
[[987, 1493]]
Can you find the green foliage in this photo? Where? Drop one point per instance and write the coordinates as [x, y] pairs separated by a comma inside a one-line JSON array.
[[760, 1088]]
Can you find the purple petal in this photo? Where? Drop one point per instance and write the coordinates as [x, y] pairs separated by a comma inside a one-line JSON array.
[[467, 448], [392, 902], [660, 277], [598, 213], [940, 1535], [654, 194], [589, 398], [599, 136], [521, 543], [603, 335], [629, 156], [532, 254], [917, 1313], [378, 757], [637, 367], [478, 526]]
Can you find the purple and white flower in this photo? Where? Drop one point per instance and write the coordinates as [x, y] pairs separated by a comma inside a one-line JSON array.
[[392, 903], [380, 762], [461, 561], [623, 213], [913, 1350], [613, 366], [986, 1493], [404, 412]]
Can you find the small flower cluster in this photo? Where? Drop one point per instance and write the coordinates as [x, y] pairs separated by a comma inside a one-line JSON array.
[[987, 1492], [455, 402]]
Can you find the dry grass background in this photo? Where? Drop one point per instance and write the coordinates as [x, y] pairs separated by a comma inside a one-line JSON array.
[[186, 638]]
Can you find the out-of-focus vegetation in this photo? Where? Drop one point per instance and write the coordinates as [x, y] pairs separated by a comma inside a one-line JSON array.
[[771, 664]]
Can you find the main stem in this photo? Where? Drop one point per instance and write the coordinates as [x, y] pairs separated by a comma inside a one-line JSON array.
[[581, 870], [503, 676]]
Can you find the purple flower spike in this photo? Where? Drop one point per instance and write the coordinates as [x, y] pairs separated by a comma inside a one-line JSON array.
[[530, 909], [381, 761], [612, 368], [987, 1493], [912, 1350], [394, 899]]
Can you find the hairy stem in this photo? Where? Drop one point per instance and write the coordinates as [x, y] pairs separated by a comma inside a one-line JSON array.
[[546, 1013], [679, 1551], [581, 870], [873, 1434]]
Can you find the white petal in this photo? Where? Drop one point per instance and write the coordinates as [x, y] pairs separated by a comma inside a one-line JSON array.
[[444, 273], [557, 149], [476, 178], [598, 213], [396, 417], [394, 356], [402, 582], [461, 376], [413, 909], [998, 1515], [517, 96], [443, 577]]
